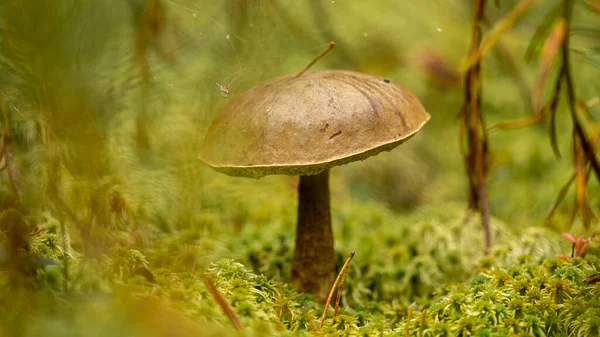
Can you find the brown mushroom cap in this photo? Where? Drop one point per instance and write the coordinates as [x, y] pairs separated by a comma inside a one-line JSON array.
[[304, 125]]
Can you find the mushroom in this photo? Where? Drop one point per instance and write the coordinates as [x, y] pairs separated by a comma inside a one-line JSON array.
[[305, 125]]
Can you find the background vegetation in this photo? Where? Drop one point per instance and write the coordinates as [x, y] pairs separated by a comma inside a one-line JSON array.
[[109, 221]]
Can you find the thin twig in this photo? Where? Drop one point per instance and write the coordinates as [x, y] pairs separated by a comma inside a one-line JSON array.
[[333, 289], [339, 292], [222, 302], [329, 47]]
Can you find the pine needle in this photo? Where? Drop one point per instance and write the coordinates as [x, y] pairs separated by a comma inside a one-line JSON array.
[[344, 271], [329, 47], [337, 279]]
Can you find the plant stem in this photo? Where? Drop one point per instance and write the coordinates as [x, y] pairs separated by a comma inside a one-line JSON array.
[[474, 125]]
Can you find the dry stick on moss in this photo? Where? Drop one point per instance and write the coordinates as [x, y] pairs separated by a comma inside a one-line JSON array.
[[222, 302], [329, 47], [333, 288], [344, 271], [408, 322], [476, 154]]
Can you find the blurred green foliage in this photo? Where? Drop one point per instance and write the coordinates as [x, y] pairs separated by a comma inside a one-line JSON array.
[[107, 237]]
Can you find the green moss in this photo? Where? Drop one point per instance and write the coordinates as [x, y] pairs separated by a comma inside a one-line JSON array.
[[536, 300]]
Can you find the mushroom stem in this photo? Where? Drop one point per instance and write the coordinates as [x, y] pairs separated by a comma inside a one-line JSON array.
[[313, 268]]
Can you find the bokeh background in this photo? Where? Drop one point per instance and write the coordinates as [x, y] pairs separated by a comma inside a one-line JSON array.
[[107, 103]]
